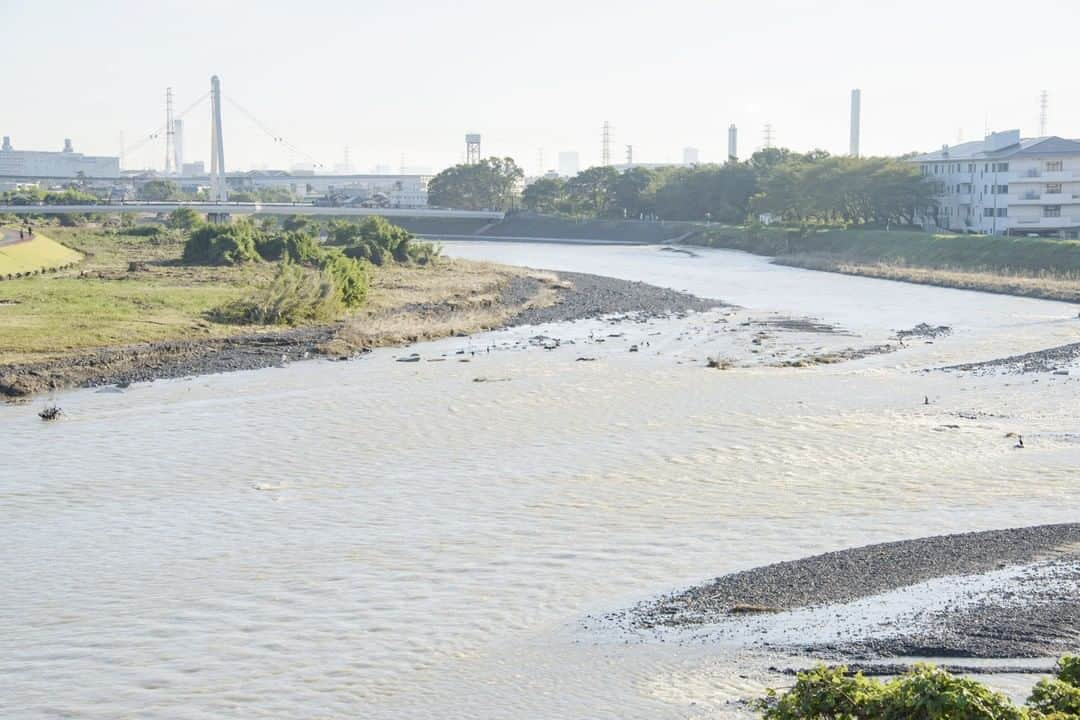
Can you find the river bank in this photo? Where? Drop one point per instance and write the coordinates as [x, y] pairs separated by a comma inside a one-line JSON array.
[[997, 594], [1042, 268], [458, 298]]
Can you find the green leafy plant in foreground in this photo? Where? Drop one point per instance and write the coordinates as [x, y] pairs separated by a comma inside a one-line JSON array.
[[923, 693], [296, 295]]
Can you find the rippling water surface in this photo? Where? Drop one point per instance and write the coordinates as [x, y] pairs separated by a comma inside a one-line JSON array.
[[387, 540]]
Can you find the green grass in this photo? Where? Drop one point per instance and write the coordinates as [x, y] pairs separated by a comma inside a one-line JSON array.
[[45, 315], [35, 255], [100, 302], [980, 253]]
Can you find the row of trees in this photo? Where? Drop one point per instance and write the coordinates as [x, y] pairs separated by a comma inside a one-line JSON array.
[[163, 190], [490, 184], [795, 187]]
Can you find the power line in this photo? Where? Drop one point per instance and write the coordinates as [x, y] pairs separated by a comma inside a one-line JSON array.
[[156, 133]]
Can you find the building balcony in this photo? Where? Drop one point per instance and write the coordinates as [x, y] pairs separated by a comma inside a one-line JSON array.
[[1041, 176], [1045, 223], [1035, 197]]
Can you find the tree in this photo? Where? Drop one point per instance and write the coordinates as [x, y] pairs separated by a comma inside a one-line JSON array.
[[159, 191], [592, 191], [545, 195], [490, 184], [184, 218], [634, 193], [717, 192]]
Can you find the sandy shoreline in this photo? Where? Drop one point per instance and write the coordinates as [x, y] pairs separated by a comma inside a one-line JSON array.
[[577, 296]]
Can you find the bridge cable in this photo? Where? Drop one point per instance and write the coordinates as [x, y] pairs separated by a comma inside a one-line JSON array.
[[155, 134], [273, 135]]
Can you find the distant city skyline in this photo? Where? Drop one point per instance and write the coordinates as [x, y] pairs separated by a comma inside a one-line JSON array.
[[401, 86]]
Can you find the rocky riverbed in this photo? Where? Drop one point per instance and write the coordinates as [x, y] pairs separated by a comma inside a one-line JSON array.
[[996, 594]]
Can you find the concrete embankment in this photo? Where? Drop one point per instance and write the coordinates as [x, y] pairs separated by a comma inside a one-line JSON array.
[[538, 228], [1044, 268]]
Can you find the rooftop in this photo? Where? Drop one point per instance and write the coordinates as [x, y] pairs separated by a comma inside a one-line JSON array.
[[1000, 146]]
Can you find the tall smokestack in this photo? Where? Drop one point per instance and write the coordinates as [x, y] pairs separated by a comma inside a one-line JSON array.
[[733, 143], [178, 145], [856, 111]]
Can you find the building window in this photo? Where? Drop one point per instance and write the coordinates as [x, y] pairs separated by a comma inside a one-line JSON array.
[[1003, 212], [971, 167], [1052, 211], [988, 212], [1054, 166], [1053, 188]]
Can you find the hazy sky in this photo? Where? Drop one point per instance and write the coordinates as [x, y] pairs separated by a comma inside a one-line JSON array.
[[393, 79]]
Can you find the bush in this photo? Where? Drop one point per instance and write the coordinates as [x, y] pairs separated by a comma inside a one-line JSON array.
[[1062, 693], [922, 693], [296, 246], [143, 231], [184, 218], [349, 276], [422, 253], [296, 295], [230, 244]]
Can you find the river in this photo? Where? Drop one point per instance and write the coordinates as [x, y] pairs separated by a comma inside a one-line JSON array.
[[379, 539]]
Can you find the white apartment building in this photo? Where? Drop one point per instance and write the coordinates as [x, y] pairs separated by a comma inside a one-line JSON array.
[[1006, 185], [64, 164]]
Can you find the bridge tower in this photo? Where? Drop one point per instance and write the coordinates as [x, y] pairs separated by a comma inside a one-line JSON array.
[[219, 192]]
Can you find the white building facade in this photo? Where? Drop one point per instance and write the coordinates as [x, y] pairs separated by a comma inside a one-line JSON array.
[[1006, 185], [64, 164]]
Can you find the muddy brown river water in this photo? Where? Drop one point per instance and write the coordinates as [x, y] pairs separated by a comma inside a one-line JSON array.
[[396, 540]]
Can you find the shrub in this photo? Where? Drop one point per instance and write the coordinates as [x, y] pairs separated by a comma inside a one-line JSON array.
[[824, 693], [1060, 694], [922, 693], [270, 246], [349, 276], [184, 218], [230, 244], [422, 253], [358, 252], [298, 222], [143, 230], [296, 295], [297, 246]]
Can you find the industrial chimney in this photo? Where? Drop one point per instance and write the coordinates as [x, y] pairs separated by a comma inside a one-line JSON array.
[[856, 110], [733, 144], [68, 147], [7, 143]]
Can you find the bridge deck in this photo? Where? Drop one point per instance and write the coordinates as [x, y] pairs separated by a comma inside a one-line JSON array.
[[248, 209]]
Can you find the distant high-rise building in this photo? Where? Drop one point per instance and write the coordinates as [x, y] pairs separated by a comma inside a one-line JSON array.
[[690, 156], [569, 163], [733, 143], [856, 120]]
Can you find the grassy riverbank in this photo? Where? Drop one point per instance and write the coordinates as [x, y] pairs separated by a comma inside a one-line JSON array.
[[1033, 267], [24, 257], [131, 291]]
